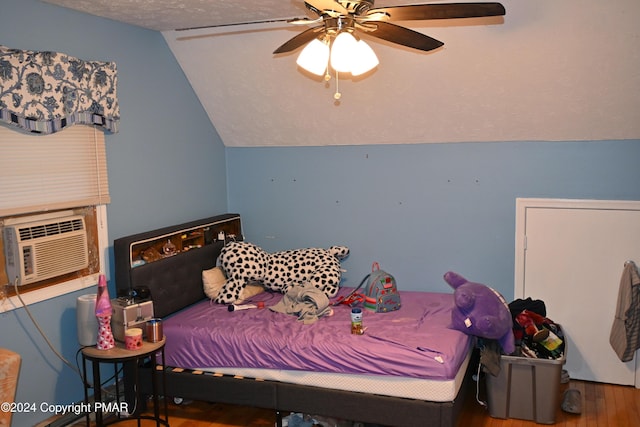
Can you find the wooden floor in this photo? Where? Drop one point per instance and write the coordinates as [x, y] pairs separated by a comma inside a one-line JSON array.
[[603, 405]]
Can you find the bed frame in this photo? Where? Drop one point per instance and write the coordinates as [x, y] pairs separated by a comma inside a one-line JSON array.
[[176, 282]]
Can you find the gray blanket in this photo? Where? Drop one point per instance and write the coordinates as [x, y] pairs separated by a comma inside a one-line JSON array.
[[305, 301]]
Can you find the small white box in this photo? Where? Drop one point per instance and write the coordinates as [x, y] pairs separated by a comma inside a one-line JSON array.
[[127, 315]]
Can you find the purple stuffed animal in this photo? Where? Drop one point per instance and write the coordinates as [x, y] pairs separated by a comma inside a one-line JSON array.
[[481, 311]]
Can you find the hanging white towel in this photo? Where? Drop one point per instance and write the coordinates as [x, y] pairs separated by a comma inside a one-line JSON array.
[[625, 332]]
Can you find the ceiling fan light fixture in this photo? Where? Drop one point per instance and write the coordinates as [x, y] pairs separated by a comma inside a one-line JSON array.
[[342, 52], [332, 46], [364, 59], [314, 57]]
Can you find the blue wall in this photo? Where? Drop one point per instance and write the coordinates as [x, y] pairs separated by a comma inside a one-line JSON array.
[[166, 166], [419, 210]]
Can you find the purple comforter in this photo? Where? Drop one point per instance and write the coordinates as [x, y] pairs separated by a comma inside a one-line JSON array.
[[415, 341]]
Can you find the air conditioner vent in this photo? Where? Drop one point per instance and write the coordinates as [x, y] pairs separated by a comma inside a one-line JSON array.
[[40, 250], [51, 229]]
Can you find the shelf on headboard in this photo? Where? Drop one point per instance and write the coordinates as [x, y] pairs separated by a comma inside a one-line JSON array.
[[161, 246], [137, 251]]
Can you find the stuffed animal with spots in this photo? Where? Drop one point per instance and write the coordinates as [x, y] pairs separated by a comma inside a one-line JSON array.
[[244, 263]]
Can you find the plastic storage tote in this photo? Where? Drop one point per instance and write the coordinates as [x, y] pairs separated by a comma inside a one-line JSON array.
[[526, 388]]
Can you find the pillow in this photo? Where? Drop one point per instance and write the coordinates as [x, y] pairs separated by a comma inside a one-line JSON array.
[[213, 280]]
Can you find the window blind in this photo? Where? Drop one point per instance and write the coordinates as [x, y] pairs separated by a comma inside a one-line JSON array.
[[56, 171]]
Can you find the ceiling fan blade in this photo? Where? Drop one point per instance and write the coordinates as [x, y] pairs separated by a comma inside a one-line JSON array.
[[231, 24], [403, 36], [299, 40], [438, 11], [320, 6], [305, 21]]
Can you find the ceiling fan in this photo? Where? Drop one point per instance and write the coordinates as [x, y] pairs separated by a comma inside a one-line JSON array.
[[336, 16], [332, 43]]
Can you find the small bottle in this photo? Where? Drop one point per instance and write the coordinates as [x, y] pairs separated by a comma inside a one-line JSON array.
[[356, 321]]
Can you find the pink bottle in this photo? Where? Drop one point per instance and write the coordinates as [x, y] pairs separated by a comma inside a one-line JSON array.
[[103, 313]]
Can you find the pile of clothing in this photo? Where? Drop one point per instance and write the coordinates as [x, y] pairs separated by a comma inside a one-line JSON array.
[[535, 334], [305, 420]]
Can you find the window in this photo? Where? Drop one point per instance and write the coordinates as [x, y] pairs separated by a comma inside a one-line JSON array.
[[42, 173], [63, 173]]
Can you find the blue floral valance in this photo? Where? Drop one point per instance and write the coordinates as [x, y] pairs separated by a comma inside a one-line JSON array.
[[45, 92]]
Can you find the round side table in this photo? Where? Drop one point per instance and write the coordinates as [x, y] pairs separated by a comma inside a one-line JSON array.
[[121, 355]]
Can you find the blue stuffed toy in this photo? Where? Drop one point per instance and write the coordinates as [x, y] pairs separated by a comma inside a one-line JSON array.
[[481, 311]]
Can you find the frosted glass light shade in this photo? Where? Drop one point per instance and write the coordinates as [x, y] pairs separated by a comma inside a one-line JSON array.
[[314, 57], [342, 52], [364, 59]]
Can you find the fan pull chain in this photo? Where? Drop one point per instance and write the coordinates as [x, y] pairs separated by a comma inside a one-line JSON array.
[[337, 95]]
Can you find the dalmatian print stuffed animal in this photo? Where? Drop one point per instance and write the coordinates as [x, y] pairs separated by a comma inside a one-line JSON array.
[[245, 262]]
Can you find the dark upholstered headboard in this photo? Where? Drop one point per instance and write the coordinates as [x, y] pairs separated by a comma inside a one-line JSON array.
[[174, 282]]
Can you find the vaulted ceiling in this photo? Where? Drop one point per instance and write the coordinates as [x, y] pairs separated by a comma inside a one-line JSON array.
[[549, 71]]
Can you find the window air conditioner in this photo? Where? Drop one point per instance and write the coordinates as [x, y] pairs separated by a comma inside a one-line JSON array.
[[43, 249]]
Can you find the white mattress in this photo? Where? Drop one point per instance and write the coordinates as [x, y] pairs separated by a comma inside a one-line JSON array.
[[411, 388]]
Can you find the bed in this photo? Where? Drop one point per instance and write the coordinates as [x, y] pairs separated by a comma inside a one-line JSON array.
[[409, 368]]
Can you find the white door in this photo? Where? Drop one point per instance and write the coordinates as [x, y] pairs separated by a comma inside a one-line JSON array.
[[570, 254]]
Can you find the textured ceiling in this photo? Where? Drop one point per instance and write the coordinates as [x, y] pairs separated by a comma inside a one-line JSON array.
[[162, 15], [549, 71]]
